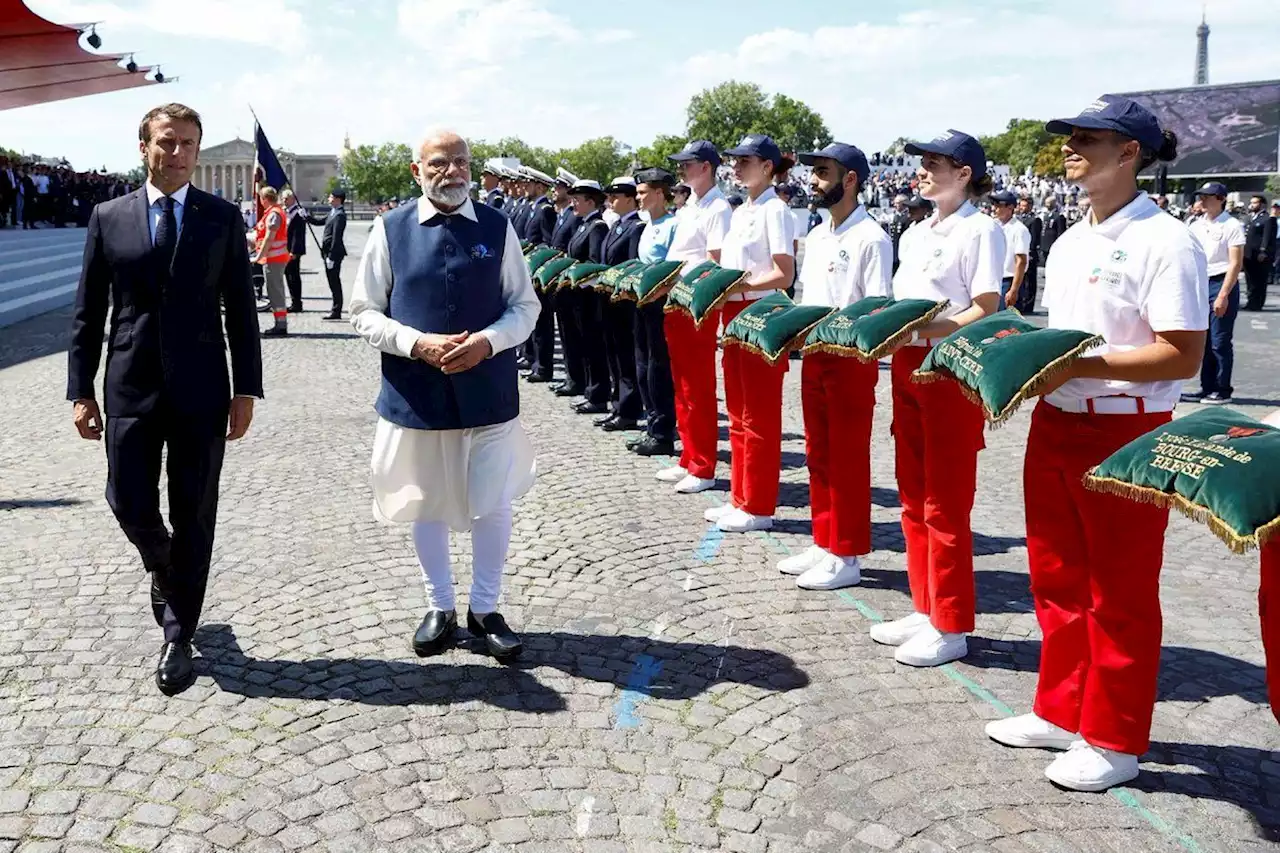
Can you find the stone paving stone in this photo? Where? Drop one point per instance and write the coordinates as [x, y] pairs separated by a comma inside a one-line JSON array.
[[774, 724]]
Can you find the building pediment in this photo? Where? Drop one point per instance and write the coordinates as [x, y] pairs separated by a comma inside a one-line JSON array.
[[236, 149]]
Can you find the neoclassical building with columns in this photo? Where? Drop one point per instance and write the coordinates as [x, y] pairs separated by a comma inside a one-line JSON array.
[[226, 170]]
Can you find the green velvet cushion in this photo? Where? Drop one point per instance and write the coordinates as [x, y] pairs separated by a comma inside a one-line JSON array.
[[583, 274], [703, 290], [650, 282], [1002, 360], [773, 326], [539, 256], [549, 273], [614, 275], [1216, 465], [871, 328]]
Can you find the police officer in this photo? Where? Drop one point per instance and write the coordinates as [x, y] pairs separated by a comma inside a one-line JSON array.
[[622, 243], [539, 225], [491, 192], [1259, 251], [587, 244], [1030, 282], [523, 211], [653, 361], [560, 304]]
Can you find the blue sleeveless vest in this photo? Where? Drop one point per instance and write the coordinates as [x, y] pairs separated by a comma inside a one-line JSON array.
[[447, 278]]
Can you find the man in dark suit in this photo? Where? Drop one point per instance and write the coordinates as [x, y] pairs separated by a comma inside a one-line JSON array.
[[333, 250], [166, 257], [1055, 224], [1259, 251], [296, 235], [8, 193], [1026, 302]]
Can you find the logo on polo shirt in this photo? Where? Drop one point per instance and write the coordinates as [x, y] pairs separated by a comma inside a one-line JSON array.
[[1108, 276], [1119, 256]]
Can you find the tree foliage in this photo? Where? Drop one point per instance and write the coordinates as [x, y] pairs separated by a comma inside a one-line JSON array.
[[1019, 146], [1049, 158], [662, 147], [600, 159], [899, 146], [377, 174], [795, 126], [732, 110]]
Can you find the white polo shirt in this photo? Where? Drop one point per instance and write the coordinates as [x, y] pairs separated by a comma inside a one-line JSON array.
[[758, 231], [1017, 241], [956, 259], [1137, 273], [700, 228], [1216, 236], [846, 264]]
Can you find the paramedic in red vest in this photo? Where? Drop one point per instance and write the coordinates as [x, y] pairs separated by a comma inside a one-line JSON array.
[[957, 254], [848, 257], [271, 242], [1138, 278]]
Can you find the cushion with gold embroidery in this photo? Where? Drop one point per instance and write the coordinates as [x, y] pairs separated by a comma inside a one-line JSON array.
[[773, 326], [871, 328], [703, 291], [548, 275], [539, 255]]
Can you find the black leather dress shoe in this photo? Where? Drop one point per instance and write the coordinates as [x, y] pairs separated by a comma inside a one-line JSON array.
[[537, 378], [501, 641], [295, 309], [633, 443], [651, 446], [569, 391], [436, 633], [176, 671], [618, 424], [275, 332], [589, 408], [605, 421]]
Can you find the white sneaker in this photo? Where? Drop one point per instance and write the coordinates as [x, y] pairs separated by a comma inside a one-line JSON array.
[[673, 474], [1031, 731], [741, 521], [691, 485], [897, 632], [832, 573], [718, 512], [931, 647], [800, 563], [1085, 767]]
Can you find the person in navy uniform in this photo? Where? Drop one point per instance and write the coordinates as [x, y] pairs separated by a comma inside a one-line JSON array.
[[529, 190], [166, 260], [539, 350], [561, 303], [587, 244], [618, 319], [333, 249], [491, 190], [1259, 251], [542, 215]]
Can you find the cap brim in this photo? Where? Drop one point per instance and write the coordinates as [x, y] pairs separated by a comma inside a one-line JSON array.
[[807, 157], [1210, 192], [683, 157], [740, 152], [918, 148], [1064, 126], [620, 189]]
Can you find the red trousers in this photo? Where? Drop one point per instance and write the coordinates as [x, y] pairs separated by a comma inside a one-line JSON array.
[[693, 373], [937, 435], [753, 396], [1095, 579], [1269, 613], [839, 399]]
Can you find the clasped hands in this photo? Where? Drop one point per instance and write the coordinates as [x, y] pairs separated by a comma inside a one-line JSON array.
[[453, 353]]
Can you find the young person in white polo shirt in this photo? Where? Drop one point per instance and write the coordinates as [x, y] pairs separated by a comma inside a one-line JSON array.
[[1017, 246], [956, 254], [848, 257], [759, 242], [1137, 277], [701, 225], [1221, 236]]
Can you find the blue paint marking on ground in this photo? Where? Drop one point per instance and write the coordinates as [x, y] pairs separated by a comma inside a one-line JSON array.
[[643, 674], [709, 546]]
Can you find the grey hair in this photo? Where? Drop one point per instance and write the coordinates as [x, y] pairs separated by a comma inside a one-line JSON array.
[[435, 134]]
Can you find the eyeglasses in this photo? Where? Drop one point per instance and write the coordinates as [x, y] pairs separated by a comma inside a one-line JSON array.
[[442, 164]]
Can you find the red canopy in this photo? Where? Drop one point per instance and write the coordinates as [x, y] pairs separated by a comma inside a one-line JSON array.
[[41, 61]]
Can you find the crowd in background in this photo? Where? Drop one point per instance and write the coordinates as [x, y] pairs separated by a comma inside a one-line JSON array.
[[37, 194]]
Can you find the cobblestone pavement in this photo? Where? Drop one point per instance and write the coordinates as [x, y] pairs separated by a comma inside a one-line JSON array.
[[676, 694]]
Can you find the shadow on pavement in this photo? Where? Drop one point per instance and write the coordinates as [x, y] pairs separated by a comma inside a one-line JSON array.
[[38, 503], [1240, 776], [1186, 674], [999, 591], [653, 668], [37, 337]]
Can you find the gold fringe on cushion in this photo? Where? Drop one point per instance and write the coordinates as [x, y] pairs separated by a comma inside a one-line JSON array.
[[659, 290], [1028, 389], [721, 300], [1147, 495]]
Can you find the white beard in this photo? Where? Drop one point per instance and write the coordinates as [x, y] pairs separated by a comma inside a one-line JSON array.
[[447, 196]]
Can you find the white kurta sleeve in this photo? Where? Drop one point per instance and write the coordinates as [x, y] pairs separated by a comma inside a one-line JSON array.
[[371, 297], [516, 323]]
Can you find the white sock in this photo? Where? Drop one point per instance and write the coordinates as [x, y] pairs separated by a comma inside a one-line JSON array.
[[431, 541], [490, 536]]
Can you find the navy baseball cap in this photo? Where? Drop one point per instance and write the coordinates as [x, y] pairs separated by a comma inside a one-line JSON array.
[[698, 149], [1112, 112], [961, 147], [1213, 188], [848, 156], [1003, 197], [757, 145]]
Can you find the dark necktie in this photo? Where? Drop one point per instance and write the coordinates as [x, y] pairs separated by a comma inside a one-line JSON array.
[[166, 229]]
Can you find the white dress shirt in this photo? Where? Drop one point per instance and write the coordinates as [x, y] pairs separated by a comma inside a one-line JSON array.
[[454, 476], [154, 211]]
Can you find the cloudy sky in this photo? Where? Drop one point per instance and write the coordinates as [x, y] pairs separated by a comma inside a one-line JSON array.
[[558, 71]]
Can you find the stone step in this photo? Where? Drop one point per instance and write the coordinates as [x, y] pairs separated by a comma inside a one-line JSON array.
[[39, 271]]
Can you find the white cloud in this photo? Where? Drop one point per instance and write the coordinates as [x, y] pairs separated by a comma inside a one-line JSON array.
[[464, 32]]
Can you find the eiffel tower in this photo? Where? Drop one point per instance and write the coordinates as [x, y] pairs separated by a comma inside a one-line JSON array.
[[1202, 51]]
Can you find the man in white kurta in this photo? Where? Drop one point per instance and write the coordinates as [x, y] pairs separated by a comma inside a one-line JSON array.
[[440, 478]]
